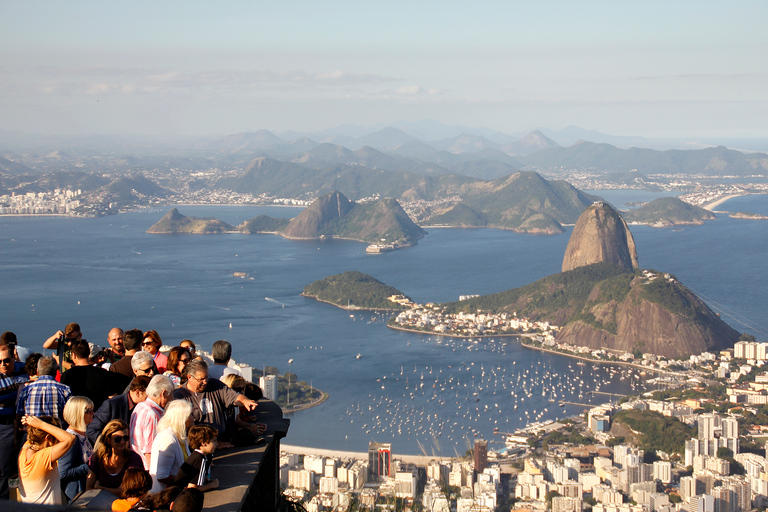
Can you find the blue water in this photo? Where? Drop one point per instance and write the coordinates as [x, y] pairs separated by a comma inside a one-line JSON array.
[[108, 272]]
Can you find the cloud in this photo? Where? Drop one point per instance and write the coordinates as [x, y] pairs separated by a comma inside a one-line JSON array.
[[409, 90]]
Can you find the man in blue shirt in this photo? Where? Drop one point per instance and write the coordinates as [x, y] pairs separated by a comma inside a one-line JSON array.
[[45, 396]]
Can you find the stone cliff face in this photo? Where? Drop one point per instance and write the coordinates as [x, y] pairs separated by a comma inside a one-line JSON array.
[[310, 222], [600, 235], [638, 323]]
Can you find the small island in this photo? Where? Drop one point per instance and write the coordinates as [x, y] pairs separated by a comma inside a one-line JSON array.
[[747, 215], [666, 212], [355, 290]]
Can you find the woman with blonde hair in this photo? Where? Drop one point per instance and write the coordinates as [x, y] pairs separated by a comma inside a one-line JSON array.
[[38, 473], [73, 466], [169, 449], [112, 455], [152, 344]]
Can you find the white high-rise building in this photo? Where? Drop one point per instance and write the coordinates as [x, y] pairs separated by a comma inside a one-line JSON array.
[[662, 471], [268, 386]]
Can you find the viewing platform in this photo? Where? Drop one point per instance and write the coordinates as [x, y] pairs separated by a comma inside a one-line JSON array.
[[249, 477]]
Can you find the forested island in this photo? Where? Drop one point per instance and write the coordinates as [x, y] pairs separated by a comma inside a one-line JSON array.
[[355, 290]]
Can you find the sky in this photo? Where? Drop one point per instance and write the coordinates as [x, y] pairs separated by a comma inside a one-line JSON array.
[[654, 69]]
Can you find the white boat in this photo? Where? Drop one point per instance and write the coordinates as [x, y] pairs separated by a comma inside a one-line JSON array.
[[290, 361], [359, 355]]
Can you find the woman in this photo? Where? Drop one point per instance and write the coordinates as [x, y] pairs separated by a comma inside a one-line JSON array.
[[242, 429], [190, 345], [178, 358], [152, 344], [38, 471], [111, 457], [73, 466], [169, 449]]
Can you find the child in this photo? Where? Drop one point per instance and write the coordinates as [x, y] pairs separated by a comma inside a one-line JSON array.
[[136, 484], [196, 470]]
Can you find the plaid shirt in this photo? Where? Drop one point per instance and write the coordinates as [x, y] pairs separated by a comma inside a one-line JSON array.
[[44, 397], [144, 420]]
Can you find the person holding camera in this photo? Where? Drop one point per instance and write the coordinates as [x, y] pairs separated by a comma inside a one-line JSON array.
[[61, 342]]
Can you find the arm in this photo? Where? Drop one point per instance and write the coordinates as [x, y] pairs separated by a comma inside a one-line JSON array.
[[69, 469], [246, 402], [90, 482], [53, 341], [64, 438], [100, 418], [213, 484]]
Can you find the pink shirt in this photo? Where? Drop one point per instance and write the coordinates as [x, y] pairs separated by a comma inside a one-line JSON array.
[[143, 428], [161, 361]]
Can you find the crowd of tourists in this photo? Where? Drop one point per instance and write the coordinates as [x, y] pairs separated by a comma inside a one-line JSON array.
[[129, 419]]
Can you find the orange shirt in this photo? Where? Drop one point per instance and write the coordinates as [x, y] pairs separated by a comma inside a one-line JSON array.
[[39, 477]]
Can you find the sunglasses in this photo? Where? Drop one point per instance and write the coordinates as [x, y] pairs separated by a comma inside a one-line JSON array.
[[7, 360], [120, 439]]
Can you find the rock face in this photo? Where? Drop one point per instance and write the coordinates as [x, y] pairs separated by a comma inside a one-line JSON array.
[[678, 326], [310, 222], [600, 235]]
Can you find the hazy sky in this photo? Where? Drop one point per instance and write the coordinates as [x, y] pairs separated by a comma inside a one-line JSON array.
[[656, 69]]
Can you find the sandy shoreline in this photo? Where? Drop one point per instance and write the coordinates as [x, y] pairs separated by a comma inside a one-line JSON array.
[[714, 204]]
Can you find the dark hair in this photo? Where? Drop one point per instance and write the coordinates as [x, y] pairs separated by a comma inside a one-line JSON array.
[[160, 500], [8, 338], [200, 434], [194, 347], [132, 339], [140, 383], [136, 483], [173, 358], [81, 350], [253, 392], [189, 500], [221, 351], [72, 328], [30, 365]]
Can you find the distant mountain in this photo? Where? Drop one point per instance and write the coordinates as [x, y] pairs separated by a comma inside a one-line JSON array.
[[263, 224], [131, 189], [667, 212], [532, 142], [573, 134], [524, 202], [247, 141], [175, 222], [600, 236], [717, 161], [335, 216], [464, 143], [14, 168], [384, 139]]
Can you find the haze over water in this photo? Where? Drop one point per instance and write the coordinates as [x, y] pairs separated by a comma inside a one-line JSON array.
[[108, 272]]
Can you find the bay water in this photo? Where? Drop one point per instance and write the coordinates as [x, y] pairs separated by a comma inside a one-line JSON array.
[[422, 393]]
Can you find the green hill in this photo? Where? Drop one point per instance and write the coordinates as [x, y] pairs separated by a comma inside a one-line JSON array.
[[651, 431], [175, 222], [263, 224], [353, 289], [667, 212]]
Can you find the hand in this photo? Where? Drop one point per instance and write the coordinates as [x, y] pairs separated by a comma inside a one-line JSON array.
[[224, 444], [31, 421], [214, 483], [249, 404]]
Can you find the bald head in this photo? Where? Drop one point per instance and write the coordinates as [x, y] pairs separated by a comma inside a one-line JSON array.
[[115, 338]]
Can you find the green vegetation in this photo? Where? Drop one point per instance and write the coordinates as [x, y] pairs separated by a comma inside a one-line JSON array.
[[569, 434], [263, 224], [375, 222], [353, 289], [674, 297], [668, 211], [175, 222], [549, 297], [657, 432]]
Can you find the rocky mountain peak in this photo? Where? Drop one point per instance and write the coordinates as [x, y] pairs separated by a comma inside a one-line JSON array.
[[600, 235]]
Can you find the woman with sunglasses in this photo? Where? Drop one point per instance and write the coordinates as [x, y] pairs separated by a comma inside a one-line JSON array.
[[111, 457], [73, 466], [152, 344], [178, 358]]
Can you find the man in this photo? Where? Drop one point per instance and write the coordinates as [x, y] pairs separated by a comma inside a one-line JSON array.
[[145, 416], [9, 385], [45, 396], [61, 342], [85, 379], [131, 344], [210, 398], [119, 407], [221, 353], [116, 350]]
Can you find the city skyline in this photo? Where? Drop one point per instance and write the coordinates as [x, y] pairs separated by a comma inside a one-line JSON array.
[[654, 69]]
